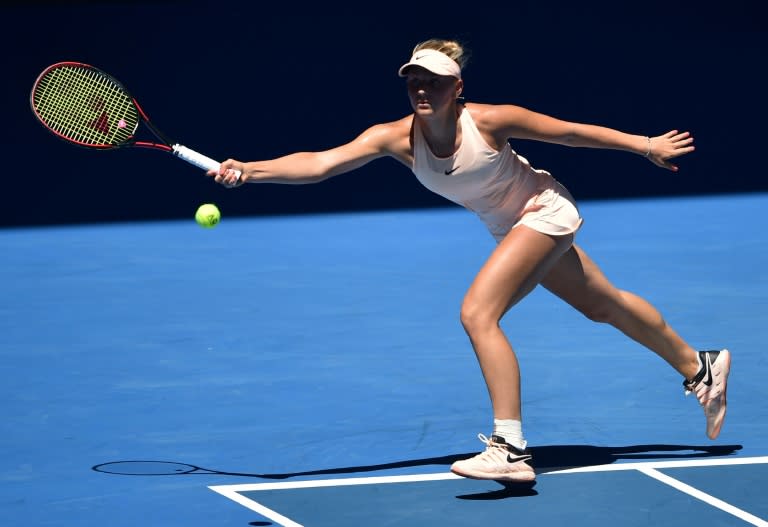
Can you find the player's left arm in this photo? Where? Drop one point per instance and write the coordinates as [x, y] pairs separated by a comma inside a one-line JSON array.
[[517, 122]]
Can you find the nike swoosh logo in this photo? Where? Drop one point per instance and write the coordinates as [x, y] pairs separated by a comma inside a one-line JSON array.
[[708, 380], [451, 171]]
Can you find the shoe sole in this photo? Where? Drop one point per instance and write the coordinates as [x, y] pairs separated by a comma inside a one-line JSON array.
[[715, 431], [519, 477]]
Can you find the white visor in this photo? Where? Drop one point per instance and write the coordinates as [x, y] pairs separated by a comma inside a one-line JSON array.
[[435, 61]]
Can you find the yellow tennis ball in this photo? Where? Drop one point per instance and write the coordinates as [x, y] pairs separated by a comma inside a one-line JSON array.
[[207, 215]]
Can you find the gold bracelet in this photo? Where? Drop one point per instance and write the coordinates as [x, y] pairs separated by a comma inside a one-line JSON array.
[[648, 153]]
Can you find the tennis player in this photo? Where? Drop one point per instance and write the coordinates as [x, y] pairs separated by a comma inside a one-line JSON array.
[[461, 151]]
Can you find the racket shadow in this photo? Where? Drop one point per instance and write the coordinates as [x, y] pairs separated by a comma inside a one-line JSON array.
[[546, 459]]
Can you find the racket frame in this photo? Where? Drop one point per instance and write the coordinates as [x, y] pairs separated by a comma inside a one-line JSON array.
[[164, 144]]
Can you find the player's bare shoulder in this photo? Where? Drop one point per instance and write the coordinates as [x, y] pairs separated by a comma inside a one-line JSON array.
[[393, 138], [492, 117], [495, 121]]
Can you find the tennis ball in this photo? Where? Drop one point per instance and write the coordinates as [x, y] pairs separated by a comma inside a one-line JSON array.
[[207, 215]]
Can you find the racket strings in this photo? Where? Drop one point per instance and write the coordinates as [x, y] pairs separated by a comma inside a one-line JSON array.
[[85, 106]]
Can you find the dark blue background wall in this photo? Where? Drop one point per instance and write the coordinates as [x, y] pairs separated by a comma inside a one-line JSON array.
[[253, 80]]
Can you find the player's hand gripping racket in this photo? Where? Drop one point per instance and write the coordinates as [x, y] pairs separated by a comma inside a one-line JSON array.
[[85, 106]]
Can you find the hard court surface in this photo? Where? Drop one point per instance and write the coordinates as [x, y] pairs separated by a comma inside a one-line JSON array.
[[312, 371]]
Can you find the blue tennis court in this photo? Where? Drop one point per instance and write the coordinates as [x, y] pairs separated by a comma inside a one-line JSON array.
[[312, 371]]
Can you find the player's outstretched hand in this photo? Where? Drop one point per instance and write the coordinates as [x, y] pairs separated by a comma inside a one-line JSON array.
[[669, 146], [229, 174]]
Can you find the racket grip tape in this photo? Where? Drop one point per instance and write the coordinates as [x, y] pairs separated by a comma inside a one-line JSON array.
[[197, 159]]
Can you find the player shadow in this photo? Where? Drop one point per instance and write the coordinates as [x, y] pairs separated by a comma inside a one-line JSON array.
[[545, 459], [549, 458], [507, 490], [561, 457]]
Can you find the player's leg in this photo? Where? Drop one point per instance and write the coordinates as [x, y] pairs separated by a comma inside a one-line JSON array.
[[579, 281], [515, 267], [513, 270]]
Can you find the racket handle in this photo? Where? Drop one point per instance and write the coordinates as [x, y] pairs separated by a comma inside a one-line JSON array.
[[198, 159]]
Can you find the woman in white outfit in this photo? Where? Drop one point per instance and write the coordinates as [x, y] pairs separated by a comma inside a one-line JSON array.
[[462, 151]]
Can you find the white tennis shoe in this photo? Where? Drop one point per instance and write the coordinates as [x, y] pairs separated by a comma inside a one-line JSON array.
[[710, 386], [500, 462]]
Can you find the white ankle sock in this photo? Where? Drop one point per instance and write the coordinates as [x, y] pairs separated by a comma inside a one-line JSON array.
[[511, 430]]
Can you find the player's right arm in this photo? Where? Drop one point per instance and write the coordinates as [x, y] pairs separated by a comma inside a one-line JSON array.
[[311, 167]]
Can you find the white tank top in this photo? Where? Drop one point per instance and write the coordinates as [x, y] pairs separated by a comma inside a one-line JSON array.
[[496, 185]]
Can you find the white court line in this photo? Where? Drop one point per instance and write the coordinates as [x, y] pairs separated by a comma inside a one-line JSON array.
[[245, 487], [703, 496], [667, 464], [233, 492]]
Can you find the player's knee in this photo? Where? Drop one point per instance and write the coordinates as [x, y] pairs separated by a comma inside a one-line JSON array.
[[475, 317]]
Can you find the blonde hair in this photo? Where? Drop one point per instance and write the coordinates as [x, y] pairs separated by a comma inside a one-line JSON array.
[[451, 48]]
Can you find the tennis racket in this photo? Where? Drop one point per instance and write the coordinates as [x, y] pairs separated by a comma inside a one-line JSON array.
[[88, 107]]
